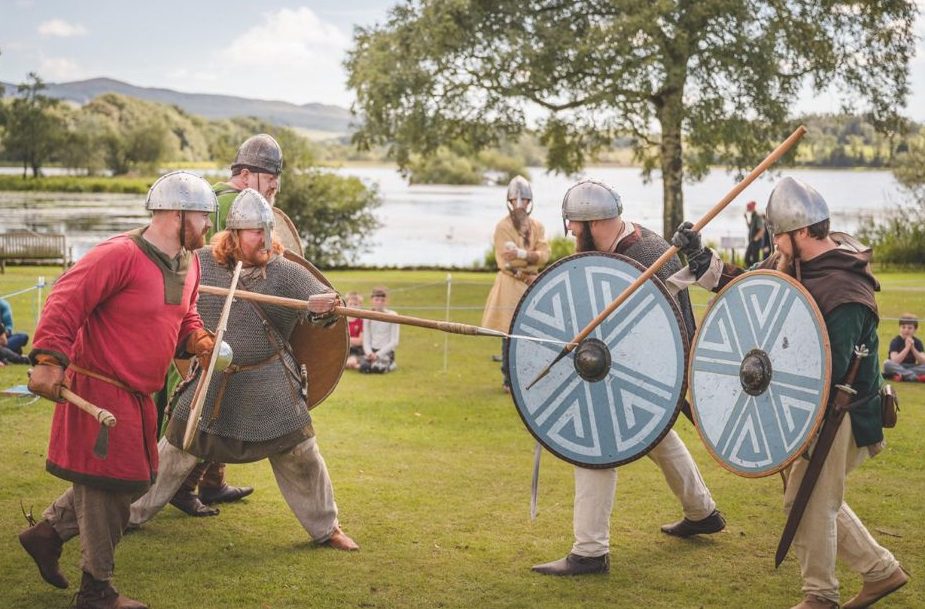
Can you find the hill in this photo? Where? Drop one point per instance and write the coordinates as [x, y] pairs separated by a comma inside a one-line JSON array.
[[327, 119]]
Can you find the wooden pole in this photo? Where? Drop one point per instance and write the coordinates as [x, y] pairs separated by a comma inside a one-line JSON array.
[[772, 158], [202, 389], [407, 320], [103, 416]]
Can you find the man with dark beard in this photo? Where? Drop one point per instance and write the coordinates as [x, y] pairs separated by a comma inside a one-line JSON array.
[[109, 329], [264, 378], [835, 269], [592, 211], [521, 251]]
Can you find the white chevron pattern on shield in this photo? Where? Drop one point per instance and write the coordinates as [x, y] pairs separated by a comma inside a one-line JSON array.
[[757, 435], [619, 418]]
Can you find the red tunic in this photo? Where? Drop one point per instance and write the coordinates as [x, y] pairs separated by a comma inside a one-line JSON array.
[[110, 314]]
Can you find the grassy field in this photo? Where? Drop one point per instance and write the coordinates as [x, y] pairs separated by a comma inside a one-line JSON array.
[[431, 468]]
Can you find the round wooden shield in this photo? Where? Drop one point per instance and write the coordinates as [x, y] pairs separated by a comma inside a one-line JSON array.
[[286, 232], [759, 373], [626, 406], [322, 350]]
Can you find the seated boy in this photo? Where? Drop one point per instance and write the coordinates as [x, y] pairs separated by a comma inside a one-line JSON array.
[[907, 355]]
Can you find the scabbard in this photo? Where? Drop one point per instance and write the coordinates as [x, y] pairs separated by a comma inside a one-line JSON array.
[[835, 414]]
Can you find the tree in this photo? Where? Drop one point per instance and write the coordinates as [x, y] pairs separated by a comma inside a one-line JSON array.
[[333, 214], [33, 130], [694, 82]]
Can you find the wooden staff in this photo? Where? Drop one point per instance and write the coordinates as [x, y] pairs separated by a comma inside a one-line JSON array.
[[103, 416], [199, 396], [392, 318], [664, 258]]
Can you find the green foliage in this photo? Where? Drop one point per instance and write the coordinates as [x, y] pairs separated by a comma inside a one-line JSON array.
[[32, 126], [459, 164], [333, 213], [692, 83], [560, 247]]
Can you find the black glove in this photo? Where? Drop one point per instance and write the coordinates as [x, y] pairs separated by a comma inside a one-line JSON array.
[[688, 241]]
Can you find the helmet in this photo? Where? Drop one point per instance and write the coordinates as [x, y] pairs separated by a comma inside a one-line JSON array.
[[261, 153], [794, 205], [181, 190], [251, 210], [518, 189], [590, 200]]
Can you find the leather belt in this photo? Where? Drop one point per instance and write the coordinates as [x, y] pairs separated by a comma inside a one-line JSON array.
[[104, 378], [232, 370], [519, 275]]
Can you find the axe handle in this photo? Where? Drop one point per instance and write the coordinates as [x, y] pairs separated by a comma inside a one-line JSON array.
[[772, 158], [103, 416]]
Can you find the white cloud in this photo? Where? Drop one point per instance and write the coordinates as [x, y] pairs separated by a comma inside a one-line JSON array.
[[61, 28], [285, 37], [57, 69]]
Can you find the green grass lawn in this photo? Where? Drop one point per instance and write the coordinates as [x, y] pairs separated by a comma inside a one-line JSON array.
[[431, 469]]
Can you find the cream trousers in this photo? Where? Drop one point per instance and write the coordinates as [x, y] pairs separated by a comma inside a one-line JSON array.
[[595, 489], [829, 528], [301, 474]]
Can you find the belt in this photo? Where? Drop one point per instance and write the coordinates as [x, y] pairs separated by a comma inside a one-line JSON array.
[[232, 370], [519, 275], [104, 378]]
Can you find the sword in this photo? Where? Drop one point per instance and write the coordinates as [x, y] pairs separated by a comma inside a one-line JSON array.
[[838, 406], [535, 482]]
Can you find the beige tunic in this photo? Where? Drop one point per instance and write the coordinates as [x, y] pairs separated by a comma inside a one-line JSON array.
[[508, 289]]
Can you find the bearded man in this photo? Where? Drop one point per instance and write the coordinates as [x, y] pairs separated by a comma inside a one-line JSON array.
[[521, 251], [592, 211], [109, 330], [257, 164], [264, 378], [835, 269]]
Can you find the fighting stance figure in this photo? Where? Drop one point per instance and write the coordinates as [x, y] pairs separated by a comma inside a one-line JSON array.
[[264, 378], [138, 287], [257, 164], [593, 211], [521, 251], [835, 268]]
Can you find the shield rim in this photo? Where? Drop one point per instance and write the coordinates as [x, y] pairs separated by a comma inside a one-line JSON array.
[[286, 221], [314, 399], [827, 375], [682, 394]]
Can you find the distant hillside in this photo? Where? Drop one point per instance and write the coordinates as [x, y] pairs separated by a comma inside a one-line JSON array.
[[312, 117]]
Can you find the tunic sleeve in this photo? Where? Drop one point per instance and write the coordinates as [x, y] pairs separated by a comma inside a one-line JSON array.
[[191, 321], [542, 245]]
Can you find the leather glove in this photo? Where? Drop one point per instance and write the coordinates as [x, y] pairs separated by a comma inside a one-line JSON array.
[[47, 378], [687, 240], [201, 343]]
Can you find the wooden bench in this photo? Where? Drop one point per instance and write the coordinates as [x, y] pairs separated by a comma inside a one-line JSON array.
[[27, 245]]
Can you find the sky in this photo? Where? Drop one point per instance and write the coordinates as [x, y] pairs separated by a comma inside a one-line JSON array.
[[286, 50]]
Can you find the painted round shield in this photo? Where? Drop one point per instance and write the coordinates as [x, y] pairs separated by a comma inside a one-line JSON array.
[[759, 373], [616, 396], [323, 351]]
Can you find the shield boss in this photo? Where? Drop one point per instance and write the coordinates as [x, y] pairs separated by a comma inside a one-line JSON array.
[[759, 373], [620, 393]]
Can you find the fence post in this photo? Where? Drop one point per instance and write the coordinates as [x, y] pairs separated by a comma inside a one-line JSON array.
[[446, 337], [39, 302]]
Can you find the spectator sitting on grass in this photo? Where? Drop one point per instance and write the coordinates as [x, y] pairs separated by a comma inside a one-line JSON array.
[[355, 329], [7, 355], [907, 355], [15, 340], [380, 338]]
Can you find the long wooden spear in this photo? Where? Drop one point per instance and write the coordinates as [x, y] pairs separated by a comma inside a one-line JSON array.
[[664, 258], [294, 303]]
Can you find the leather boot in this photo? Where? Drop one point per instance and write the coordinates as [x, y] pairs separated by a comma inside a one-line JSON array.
[[188, 503], [224, 494], [340, 541], [43, 544], [96, 594], [714, 523], [871, 592], [811, 601], [573, 564]]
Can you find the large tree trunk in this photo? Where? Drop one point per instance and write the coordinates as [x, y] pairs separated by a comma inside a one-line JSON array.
[[670, 115]]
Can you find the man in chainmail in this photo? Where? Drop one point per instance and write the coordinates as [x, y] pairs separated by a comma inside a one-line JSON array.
[[257, 164], [256, 409], [521, 250], [592, 211]]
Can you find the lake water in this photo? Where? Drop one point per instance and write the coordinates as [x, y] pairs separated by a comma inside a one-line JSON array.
[[452, 225]]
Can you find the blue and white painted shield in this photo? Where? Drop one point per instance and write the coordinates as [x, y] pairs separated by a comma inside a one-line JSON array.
[[630, 406], [759, 373]]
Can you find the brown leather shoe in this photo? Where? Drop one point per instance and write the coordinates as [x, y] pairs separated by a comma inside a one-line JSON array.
[[189, 504], [340, 541], [225, 494], [43, 544], [811, 601], [573, 564], [871, 592], [97, 594], [714, 523]]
